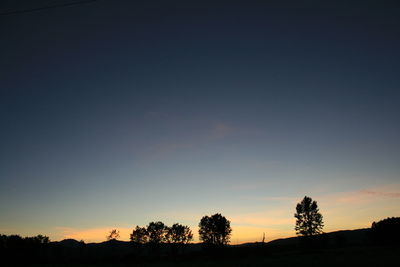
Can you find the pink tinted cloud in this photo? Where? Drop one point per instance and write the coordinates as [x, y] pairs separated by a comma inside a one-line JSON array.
[[365, 196], [381, 194], [220, 130]]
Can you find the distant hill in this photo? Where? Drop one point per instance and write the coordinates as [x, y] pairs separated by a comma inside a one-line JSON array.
[[343, 237], [114, 251], [122, 250], [337, 238], [71, 243]]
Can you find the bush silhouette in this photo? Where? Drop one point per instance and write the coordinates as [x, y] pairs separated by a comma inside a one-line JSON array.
[[113, 235]]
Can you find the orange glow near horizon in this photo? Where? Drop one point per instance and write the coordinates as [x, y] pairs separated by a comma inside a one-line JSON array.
[[240, 234], [341, 211]]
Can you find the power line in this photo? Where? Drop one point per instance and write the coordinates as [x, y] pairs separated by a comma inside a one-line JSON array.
[[46, 7]]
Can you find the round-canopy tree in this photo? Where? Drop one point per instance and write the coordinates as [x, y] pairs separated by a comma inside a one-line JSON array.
[[308, 218], [215, 229], [156, 232], [178, 234], [140, 235]]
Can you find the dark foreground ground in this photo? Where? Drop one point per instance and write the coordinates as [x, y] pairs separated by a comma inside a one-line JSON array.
[[340, 248], [354, 256]]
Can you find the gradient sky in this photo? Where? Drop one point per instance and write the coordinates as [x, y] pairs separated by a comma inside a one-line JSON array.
[[114, 114]]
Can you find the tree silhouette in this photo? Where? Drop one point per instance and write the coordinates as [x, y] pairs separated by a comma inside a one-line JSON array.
[[178, 234], [215, 229], [36, 240], [140, 235], [42, 239], [16, 250], [113, 235], [156, 232], [308, 219]]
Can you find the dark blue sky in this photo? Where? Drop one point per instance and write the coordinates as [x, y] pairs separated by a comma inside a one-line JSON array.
[[164, 107]]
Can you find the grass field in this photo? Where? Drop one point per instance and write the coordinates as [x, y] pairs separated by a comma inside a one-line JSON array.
[[356, 256]]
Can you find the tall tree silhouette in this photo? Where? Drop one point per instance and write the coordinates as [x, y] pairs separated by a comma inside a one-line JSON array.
[[215, 229], [308, 218]]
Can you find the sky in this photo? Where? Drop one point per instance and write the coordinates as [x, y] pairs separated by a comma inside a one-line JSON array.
[[118, 113]]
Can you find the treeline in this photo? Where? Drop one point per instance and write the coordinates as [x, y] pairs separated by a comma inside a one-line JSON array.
[[151, 242], [214, 229], [158, 232], [16, 241], [157, 240], [23, 249], [386, 231]]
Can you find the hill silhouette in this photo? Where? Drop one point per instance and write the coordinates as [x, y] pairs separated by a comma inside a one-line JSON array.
[[346, 247], [336, 238]]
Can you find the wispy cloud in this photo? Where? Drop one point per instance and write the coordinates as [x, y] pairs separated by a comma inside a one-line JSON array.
[[341, 210], [211, 132], [284, 199], [165, 149], [381, 194], [367, 195], [220, 130], [268, 218], [262, 221], [358, 208]]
